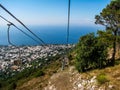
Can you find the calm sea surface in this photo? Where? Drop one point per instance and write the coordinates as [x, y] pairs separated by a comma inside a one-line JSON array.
[[49, 34]]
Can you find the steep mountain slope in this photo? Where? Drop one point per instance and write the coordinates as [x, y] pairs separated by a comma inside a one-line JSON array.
[[70, 79]]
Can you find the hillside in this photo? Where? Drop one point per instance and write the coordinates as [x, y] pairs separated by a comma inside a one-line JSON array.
[[70, 79], [56, 59], [51, 77]]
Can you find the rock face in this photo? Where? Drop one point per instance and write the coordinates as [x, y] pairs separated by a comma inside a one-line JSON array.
[[71, 80], [81, 84]]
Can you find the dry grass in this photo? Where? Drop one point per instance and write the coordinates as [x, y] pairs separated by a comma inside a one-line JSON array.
[[61, 79], [39, 82]]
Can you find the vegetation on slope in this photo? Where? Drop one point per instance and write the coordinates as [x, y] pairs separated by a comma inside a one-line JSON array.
[[29, 73], [91, 53], [110, 18]]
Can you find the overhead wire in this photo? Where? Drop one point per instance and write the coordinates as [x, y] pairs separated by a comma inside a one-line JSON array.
[[18, 28], [65, 58], [68, 24], [43, 43]]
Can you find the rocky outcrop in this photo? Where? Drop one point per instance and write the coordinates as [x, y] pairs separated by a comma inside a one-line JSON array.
[[72, 80]]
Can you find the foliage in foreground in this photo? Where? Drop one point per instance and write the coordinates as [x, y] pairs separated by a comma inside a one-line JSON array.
[[91, 52], [110, 18]]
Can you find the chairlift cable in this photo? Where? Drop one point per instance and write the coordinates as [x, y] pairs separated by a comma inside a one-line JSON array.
[[19, 29], [68, 25], [22, 24]]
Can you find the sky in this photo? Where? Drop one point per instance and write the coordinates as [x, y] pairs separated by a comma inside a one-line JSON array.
[[53, 12]]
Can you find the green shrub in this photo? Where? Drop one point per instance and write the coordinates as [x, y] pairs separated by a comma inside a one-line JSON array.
[[91, 53], [102, 78], [39, 73]]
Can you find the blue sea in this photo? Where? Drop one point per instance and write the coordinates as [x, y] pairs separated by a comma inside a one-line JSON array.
[[49, 34]]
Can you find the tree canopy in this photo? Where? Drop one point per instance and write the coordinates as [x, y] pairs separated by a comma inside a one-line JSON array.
[[110, 18], [91, 52]]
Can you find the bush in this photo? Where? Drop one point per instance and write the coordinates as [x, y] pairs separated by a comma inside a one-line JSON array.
[[91, 53], [39, 73], [102, 78]]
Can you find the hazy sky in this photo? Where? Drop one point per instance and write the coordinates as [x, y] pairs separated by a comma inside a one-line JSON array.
[[53, 12]]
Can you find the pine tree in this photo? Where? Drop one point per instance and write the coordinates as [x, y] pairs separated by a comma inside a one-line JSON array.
[[110, 18]]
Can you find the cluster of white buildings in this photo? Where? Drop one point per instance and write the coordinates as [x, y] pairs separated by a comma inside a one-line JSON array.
[[14, 56]]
